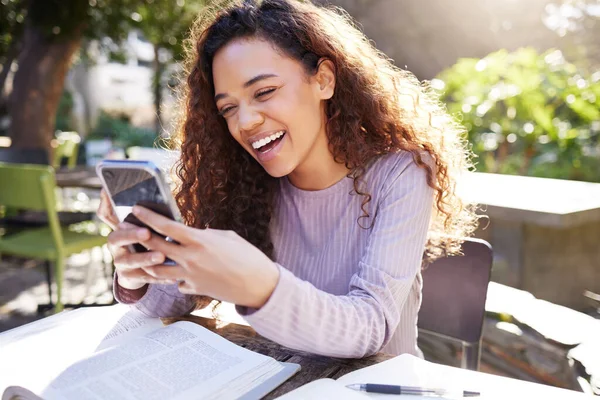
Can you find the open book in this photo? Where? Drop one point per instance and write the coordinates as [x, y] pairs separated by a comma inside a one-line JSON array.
[[137, 358]]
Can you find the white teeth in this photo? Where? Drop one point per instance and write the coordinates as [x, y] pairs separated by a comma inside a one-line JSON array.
[[260, 143]]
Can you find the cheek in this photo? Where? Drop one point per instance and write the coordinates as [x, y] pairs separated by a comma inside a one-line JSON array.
[[232, 128], [233, 132], [298, 109]]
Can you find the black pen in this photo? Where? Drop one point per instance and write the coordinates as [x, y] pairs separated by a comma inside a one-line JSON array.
[[412, 390]]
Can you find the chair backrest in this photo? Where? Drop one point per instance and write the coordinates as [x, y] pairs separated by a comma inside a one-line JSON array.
[[454, 293], [31, 187], [67, 146], [25, 186], [24, 155]]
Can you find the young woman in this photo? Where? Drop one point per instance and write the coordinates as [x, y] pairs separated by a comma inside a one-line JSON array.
[[315, 178]]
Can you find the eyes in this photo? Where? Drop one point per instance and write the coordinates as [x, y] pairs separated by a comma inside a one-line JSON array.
[[260, 95]]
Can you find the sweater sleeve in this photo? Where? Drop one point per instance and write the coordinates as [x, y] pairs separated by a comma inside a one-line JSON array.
[[157, 301], [360, 323]]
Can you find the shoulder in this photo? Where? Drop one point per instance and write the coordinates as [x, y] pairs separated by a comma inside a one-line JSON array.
[[397, 168]]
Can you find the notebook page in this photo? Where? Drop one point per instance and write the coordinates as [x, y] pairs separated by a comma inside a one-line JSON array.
[[324, 389], [412, 371]]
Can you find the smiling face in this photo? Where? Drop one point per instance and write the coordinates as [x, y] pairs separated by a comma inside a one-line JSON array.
[[272, 107]]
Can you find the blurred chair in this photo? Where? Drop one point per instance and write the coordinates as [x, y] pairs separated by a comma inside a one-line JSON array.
[[66, 145], [454, 294], [32, 187], [16, 217]]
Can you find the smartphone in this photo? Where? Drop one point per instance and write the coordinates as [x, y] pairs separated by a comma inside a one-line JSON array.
[[129, 183]]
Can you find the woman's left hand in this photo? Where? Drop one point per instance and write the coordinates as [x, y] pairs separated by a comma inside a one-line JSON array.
[[210, 262]]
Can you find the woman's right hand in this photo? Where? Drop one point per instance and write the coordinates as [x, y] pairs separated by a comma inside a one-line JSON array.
[[128, 265]]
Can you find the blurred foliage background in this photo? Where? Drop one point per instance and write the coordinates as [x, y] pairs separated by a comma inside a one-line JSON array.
[[119, 129], [523, 76], [527, 113]]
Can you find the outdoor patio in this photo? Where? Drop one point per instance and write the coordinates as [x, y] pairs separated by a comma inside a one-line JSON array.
[[23, 286]]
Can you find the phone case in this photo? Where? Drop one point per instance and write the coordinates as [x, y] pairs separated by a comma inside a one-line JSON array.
[[169, 209]]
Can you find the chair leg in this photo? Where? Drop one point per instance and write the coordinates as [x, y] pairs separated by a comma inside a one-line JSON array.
[[48, 267], [43, 308], [59, 267], [59, 270], [471, 355]]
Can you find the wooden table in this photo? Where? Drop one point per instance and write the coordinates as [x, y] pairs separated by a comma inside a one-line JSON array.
[[312, 366], [81, 176]]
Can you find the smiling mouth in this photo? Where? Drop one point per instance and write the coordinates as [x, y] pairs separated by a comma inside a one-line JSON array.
[[267, 144]]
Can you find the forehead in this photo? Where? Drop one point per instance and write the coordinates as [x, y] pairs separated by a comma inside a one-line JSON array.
[[243, 59]]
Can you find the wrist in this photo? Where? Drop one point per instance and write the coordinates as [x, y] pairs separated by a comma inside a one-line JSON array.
[[266, 286], [128, 284], [128, 296]]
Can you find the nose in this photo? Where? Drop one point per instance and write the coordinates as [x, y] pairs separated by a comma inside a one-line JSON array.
[[249, 118]]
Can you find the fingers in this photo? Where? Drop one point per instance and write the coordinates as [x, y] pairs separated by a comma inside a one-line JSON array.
[[132, 261], [163, 225], [185, 288], [127, 234], [172, 273], [159, 244], [105, 212], [138, 278]]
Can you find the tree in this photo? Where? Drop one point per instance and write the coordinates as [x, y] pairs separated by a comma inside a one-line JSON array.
[[52, 33], [165, 24], [12, 15]]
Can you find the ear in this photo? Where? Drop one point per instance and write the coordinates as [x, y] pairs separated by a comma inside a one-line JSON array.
[[325, 78]]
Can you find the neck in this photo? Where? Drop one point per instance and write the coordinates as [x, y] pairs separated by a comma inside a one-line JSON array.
[[319, 171]]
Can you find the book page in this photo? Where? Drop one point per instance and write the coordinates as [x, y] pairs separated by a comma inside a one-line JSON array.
[[131, 324], [32, 355], [180, 361]]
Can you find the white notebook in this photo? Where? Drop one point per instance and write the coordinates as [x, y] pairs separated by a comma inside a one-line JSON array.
[[408, 370]]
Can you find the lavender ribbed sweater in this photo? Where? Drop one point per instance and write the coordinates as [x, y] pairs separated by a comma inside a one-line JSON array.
[[343, 291]]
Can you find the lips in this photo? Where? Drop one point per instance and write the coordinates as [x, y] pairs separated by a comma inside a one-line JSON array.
[[258, 141], [269, 150]]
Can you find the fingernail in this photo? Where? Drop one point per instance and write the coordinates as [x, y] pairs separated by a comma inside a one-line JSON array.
[[157, 258], [142, 233]]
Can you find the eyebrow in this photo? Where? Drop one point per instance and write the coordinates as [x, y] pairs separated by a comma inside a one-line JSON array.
[[248, 84]]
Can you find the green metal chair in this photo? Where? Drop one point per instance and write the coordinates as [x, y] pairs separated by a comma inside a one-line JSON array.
[[66, 146], [32, 187]]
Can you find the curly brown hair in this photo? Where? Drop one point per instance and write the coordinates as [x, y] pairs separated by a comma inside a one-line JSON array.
[[377, 108]]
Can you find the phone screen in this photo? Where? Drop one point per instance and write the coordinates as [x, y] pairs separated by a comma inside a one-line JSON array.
[[128, 187]]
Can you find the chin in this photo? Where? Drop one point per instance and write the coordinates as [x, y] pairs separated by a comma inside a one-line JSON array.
[[279, 170]]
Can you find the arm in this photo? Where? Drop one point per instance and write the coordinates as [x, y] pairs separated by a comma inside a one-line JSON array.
[[358, 324]]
